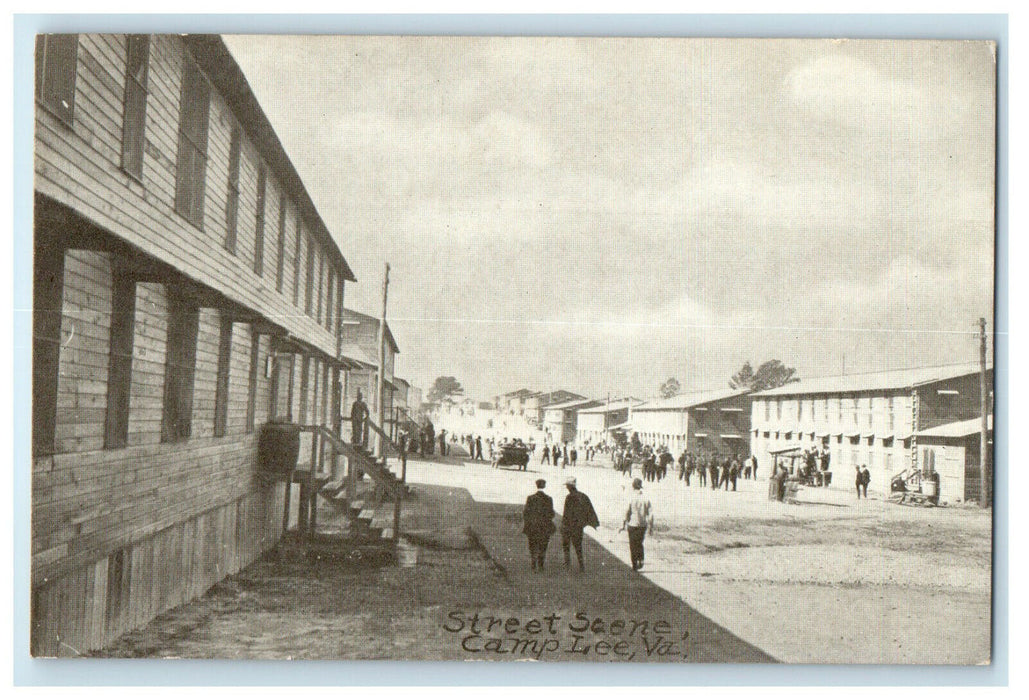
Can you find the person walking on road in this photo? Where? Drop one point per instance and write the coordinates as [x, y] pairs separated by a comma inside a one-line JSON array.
[[578, 513], [538, 524], [639, 518], [866, 479], [478, 447], [546, 455], [859, 479], [724, 479], [358, 418]]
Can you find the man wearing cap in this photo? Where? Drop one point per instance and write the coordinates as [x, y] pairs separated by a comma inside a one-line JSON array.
[[578, 513], [358, 421], [639, 517], [538, 519]]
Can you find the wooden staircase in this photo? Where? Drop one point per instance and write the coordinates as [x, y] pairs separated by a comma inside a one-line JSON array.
[[347, 517]]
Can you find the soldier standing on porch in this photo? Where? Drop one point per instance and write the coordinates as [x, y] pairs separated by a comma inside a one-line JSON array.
[[358, 419]]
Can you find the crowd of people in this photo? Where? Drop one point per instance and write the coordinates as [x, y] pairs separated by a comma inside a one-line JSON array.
[[710, 469]]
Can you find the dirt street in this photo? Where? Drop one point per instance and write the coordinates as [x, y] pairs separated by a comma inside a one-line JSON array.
[[728, 577]]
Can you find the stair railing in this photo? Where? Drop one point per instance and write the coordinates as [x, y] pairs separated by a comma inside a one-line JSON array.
[[398, 448], [379, 473]]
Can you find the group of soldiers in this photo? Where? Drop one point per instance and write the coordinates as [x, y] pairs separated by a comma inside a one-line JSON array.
[[715, 470]]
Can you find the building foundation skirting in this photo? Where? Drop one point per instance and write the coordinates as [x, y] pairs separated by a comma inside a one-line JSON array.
[[89, 607]]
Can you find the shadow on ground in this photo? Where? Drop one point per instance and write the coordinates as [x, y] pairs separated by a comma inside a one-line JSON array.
[[607, 591], [470, 596]]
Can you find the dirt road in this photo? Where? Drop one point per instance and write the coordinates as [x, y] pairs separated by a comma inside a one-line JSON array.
[[728, 577], [829, 580]]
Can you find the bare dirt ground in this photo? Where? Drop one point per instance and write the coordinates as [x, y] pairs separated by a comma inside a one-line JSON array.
[[728, 577]]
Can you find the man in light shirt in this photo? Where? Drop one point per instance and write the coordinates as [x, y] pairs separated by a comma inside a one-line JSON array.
[[639, 517]]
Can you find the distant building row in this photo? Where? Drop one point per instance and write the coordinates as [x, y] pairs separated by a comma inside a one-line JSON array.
[[921, 419]]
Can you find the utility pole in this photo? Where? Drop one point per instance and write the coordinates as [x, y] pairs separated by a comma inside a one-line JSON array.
[[984, 455], [381, 388]]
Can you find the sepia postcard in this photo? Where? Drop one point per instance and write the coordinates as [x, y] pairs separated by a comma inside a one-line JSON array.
[[530, 349]]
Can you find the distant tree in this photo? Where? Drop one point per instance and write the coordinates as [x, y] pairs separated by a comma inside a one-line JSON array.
[[670, 388], [635, 442], [443, 388], [744, 378], [769, 375]]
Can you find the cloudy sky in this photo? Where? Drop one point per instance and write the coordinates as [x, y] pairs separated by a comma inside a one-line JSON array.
[[602, 214]]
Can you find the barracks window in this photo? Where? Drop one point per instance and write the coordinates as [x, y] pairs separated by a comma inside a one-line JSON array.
[[56, 61], [232, 198], [134, 118], [192, 157]]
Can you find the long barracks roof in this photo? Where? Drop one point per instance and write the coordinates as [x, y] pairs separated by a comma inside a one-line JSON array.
[[520, 393], [221, 68], [358, 356], [875, 381], [618, 405], [958, 429], [574, 403], [682, 402]]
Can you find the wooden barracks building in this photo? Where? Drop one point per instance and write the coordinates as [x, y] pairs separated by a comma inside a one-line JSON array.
[[186, 291], [894, 422], [705, 422]]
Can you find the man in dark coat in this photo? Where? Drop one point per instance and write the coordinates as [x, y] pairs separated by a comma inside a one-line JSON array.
[[429, 438], [662, 465], [734, 471], [358, 418], [478, 447], [546, 455], [578, 513], [538, 524], [724, 478]]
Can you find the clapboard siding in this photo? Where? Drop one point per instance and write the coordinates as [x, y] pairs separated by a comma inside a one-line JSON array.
[[120, 535], [205, 376], [85, 336], [93, 604], [124, 495], [146, 394], [263, 393], [239, 379], [80, 167]]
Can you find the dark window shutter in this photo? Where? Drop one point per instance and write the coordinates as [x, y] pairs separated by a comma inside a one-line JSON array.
[[134, 118]]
